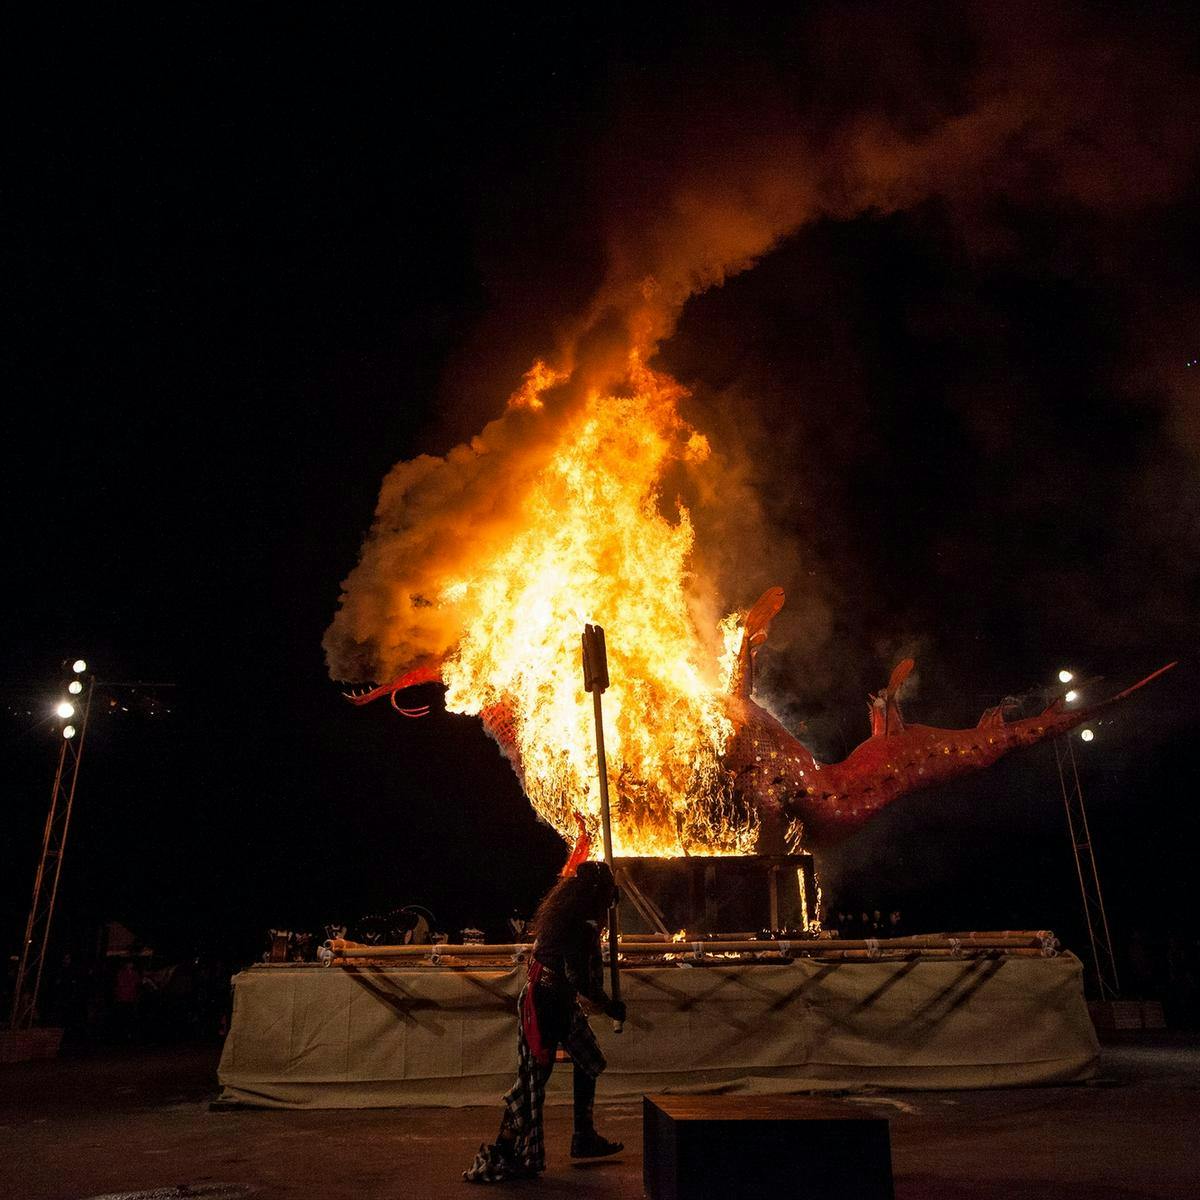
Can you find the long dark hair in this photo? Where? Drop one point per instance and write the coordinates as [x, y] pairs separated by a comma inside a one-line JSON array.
[[584, 896]]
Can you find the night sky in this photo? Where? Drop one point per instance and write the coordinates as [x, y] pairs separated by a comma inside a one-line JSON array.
[[250, 264]]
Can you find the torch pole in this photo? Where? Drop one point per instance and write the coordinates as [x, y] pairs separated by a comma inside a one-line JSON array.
[[606, 828], [595, 673]]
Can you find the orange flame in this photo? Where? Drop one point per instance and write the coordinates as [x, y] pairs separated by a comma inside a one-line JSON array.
[[538, 379], [592, 545]]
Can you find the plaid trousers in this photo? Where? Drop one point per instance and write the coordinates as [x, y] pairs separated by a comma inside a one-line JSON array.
[[525, 1100]]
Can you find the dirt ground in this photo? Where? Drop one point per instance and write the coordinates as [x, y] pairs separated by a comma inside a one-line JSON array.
[[136, 1121]]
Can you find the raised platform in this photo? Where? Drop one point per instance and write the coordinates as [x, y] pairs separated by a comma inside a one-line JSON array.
[[376, 1036]]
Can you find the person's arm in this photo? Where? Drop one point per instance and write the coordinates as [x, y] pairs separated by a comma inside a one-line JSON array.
[[584, 969]]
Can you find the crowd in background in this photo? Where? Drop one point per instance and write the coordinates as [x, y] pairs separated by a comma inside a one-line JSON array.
[[130, 998]]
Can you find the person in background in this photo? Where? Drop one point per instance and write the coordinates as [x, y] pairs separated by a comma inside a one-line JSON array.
[[565, 966], [518, 925]]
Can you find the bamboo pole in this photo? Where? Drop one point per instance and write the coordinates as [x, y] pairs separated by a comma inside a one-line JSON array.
[[818, 947], [1021, 936], [1035, 934], [437, 950], [824, 947]]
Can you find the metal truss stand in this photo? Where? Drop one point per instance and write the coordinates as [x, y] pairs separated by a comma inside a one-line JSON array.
[[45, 884], [1104, 964]]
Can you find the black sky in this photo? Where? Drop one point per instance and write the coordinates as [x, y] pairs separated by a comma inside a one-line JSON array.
[[250, 263]]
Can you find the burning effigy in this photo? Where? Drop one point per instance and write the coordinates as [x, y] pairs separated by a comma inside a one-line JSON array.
[[586, 541], [483, 564], [699, 768]]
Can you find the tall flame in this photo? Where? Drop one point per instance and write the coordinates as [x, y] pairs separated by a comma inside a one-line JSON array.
[[592, 544]]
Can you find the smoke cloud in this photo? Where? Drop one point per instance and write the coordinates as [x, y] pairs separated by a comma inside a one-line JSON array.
[[716, 160]]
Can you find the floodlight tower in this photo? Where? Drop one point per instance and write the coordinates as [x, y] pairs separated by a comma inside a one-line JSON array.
[[1104, 962], [72, 711]]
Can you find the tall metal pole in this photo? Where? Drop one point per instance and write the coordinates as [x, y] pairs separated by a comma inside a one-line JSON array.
[[595, 680], [1104, 963], [49, 870]]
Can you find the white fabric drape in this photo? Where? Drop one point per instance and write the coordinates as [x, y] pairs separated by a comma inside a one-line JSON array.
[[368, 1036]]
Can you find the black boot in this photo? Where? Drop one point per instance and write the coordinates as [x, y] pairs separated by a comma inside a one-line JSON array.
[[588, 1143]]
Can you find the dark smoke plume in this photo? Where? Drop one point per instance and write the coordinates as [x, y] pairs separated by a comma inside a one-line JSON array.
[[716, 159]]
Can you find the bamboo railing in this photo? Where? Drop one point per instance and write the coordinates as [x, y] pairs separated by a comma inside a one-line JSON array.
[[1039, 943]]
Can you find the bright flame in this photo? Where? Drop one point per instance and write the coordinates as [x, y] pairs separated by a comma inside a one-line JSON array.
[[592, 545], [538, 379]]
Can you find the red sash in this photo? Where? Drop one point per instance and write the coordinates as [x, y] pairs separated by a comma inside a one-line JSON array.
[[541, 1053]]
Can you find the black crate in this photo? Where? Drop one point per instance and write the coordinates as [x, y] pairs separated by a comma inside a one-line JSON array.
[[726, 1147]]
